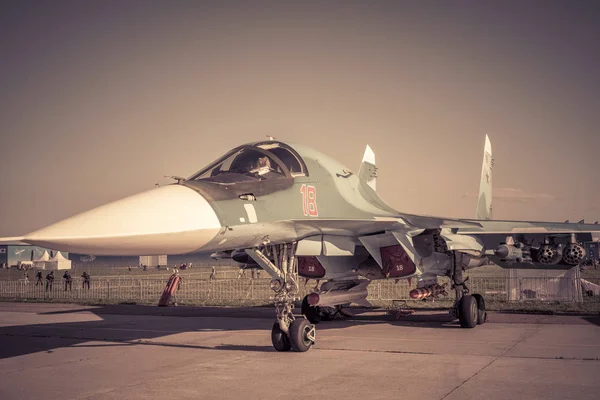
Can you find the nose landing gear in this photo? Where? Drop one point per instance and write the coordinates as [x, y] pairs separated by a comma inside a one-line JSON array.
[[288, 333]]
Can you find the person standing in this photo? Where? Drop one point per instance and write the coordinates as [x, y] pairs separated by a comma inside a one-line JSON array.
[[86, 280], [49, 280], [213, 274], [38, 277], [68, 281]]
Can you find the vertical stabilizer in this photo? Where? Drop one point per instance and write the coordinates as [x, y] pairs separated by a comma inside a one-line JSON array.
[[368, 170], [484, 200]]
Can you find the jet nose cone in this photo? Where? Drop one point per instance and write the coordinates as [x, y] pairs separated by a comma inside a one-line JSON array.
[[171, 219]]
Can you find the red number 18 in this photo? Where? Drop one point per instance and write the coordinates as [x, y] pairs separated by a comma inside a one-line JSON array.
[[309, 200]]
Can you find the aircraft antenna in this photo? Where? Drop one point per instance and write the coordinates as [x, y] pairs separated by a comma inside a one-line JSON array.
[[177, 178]]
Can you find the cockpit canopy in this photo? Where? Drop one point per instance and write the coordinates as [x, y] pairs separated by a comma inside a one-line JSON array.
[[254, 169], [254, 162]]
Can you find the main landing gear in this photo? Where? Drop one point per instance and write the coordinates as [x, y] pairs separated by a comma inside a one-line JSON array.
[[288, 333], [469, 309]]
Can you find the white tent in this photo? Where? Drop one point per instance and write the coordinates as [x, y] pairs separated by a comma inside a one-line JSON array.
[[58, 262], [41, 262]]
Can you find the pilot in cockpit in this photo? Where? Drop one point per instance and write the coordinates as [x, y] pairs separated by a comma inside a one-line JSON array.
[[263, 166]]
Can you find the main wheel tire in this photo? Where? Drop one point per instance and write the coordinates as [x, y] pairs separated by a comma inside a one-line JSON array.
[[468, 312], [327, 314], [481, 313], [311, 313], [300, 330], [280, 340]]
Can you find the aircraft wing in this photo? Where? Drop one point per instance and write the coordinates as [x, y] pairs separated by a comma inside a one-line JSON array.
[[516, 227], [417, 223], [357, 227], [479, 238], [413, 222]]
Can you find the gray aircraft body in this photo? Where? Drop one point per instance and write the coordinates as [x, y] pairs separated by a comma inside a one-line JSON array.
[[297, 213]]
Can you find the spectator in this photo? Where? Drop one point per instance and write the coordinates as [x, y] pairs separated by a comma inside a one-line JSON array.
[[242, 273], [38, 276], [49, 280], [86, 280], [68, 281]]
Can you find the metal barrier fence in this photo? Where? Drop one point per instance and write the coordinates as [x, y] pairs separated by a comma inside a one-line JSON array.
[[137, 273], [239, 291]]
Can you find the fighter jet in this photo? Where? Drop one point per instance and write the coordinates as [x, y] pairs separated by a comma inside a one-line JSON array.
[[298, 213]]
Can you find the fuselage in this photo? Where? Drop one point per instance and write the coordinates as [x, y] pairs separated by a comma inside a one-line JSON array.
[[227, 205]]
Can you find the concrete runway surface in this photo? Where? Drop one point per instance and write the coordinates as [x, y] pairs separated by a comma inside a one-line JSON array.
[[58, 351]]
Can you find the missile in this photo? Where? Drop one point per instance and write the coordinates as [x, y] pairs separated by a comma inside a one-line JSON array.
[[338, 297], [433, 290], [357, 294], [511, 252]]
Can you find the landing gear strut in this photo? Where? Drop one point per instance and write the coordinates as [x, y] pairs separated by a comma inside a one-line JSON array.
[[469, 309], [288, 332]]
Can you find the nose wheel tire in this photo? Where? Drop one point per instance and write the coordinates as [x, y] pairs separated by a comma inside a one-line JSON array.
[[280, 340], [468, 312], [302, 335]]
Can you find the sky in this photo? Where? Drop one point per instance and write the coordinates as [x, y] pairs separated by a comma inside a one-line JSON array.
[[100, 99]]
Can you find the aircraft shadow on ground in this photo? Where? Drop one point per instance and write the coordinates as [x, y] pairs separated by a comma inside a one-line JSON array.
[[117, 328], [266, 349], [592, 320]]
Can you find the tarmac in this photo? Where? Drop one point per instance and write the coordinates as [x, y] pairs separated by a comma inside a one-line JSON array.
[[66, 351]]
